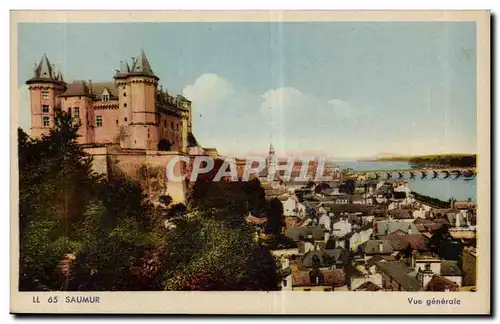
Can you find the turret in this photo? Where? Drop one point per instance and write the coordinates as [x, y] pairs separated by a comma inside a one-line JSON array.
[[45, 87], [137, 92]]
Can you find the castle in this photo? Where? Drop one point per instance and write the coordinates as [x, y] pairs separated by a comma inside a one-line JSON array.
[[131, 111]]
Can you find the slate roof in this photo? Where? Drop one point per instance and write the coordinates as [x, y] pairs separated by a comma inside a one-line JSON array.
[[372, 247], [45, 72], [295, 233], [323, 257], [389, 227], [94, 89], [401, 273]]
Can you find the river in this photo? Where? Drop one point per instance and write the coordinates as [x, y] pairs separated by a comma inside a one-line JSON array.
[[440, 188]]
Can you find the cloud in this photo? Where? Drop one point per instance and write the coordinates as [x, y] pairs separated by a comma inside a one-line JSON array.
[[208, 89]]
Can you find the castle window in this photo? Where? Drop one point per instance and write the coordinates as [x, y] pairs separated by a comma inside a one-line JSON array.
[[105, 97], [45, 94], [117, 122], [124, 105], [46, 121], [172, 125], [69, 112], [77, 112], [125, 118], [99, 121], [45, 109], [124, 94]]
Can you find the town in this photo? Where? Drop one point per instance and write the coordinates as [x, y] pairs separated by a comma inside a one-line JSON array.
[[354, 234]]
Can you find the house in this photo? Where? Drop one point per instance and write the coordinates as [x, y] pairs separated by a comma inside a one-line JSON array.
[[341, 227], [323, 259], [325, 221], [439, 283], [448, 269], [315, 233], [322, 280], [460, 219], [397, 276], [358, 237], [292, 207]]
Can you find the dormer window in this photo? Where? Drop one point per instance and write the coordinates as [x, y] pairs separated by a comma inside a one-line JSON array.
[[105, 97]]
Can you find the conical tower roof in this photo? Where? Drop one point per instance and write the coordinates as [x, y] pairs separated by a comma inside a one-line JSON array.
[[44, 72], [142, 66]]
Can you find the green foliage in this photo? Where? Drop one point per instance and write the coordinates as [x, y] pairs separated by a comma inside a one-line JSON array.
[[205, 254], [275, 218], [66, 208]]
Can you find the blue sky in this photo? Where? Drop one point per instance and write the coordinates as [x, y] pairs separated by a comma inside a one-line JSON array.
[[341, 89]]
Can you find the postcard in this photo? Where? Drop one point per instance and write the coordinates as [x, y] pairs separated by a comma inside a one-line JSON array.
[[250, 162]]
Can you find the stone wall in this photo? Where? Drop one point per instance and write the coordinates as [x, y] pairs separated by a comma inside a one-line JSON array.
[[149, 168]]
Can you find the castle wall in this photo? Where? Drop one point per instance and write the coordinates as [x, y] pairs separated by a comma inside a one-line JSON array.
[[171, 130], [109, 131], [149, 168]]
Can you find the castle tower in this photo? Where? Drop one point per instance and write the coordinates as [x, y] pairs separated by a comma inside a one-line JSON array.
[[139, 124], [45, 87]]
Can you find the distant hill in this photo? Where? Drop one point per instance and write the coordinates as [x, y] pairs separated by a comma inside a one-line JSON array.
[[452, 159]]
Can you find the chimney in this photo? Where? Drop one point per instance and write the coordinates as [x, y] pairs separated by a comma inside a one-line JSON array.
[[457, 220], [381, 247]]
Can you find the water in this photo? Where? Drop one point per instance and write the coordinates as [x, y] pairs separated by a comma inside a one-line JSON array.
[[441, 188]]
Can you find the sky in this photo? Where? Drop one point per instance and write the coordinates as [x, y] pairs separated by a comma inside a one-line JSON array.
[[337, 89]]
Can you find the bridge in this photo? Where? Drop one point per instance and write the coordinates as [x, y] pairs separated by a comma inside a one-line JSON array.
[[422, 173]]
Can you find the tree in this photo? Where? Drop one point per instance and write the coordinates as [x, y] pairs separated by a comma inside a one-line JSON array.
[[348, 187], [205, 254], [443, 244], [68, 210], [275, 220]]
